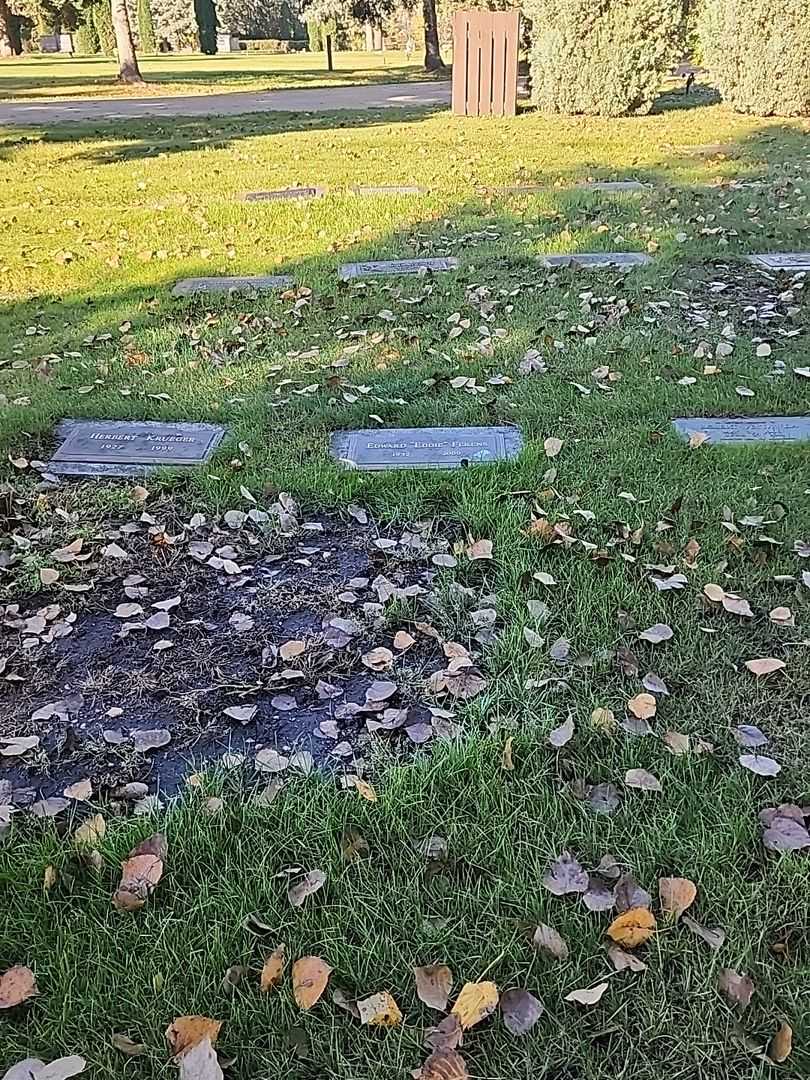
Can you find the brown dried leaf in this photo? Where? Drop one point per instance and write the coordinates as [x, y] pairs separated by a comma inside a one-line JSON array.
[[640, 778], [475, 1002], [127, 1046], [520, 1010], [625, 961], [737, 987], [433, 985], [309, 884], [379, 659], [781, 1045], [310, 975], [16, 986], [507, 764], [444, 1065], [713, 938], [80, 791], [642, 706], [185, 1032], [273, 969], [676, 895], [141, 872], [633, 928], [91, 832], [546, 939], [480, 549]]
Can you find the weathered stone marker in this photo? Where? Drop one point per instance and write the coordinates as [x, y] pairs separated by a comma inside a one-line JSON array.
[[130, 447], [388, 189], [783, 260], [596, 259], [615, 186], [424, 448], [194, 285], [391, 269], [284, 193], [745, 429]]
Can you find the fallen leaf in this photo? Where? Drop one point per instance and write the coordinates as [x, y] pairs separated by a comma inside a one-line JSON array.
[[444, 1065], [309, 884], [91, 832], [603, 719], [737, 987], [362, 787], [379, 659], [476, 1001], [764, 666], [643, 706], [587, 996], [80, 791], [785, 829], [603, 798], [507, 764], [760, 764], [781, 1045], [563, 734], [353, 844], [633, 928], [625, 961], [676, 895], [185, 1032], [18, 746], [273, 969], [16, 986], [403, 640], [479, 549], [657, 633], [200, 1063], [62, 1068], [127, 1046], [552, 446], [433, 985], [628, 894], [140, 873], [713, 938], [566, 875], [640, 778], [290, 649], [151, 739], [309, 977], [546, 939], [379, 1010], [520, 1010]]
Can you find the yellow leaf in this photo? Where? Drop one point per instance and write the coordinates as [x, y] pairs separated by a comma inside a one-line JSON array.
[[365, 789], [781, 1044], [632, 928], [475, 1002], [603, 719], [379, 1010], [310, 975], [506, 758], [273, 969], [92, 832], [49, 877], [676, 895], [185, 1032]]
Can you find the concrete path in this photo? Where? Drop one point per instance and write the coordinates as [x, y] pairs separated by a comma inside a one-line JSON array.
[[383, 96]]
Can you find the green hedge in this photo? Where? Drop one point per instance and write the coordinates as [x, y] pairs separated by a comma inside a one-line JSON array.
[[758, 53], [602, 57]]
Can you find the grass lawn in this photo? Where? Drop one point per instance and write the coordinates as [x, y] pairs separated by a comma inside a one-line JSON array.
[[98, 223], [182, 73]]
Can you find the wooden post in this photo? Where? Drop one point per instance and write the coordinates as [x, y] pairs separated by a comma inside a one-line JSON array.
[[329, 64], [485, 62]]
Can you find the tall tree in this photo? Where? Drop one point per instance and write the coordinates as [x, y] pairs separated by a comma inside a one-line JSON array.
[[128, 70], [206, 15], [146, 27], [6, 38], [433, 56]]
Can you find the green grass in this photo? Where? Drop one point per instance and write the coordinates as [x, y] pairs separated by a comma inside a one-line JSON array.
[[180, 73], [139, 205]]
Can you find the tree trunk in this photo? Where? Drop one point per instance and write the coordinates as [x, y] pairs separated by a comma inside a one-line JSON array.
[[6, 48], [330, 66], [128, 70], [433, 57]]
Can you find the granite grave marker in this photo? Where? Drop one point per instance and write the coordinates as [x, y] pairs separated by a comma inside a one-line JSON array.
[[388, 189], [745, 429], [130, 447], [349, 271], [376, 449], [613, 186], [792, 261], [193, 286], [284, 193], [597, 259]]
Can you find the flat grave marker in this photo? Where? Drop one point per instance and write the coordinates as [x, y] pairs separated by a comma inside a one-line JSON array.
[[349, 271], [597, 259], [131, 447], [193, 286], [613, 186], [284, 193], [782, 260], [745, 429], [388, 189], [377, 449]]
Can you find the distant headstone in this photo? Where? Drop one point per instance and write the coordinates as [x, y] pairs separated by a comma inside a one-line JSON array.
[[388, 189], [49, 43], [401, 266], [228, 43], [130, 447], [424, 448], [745, 429], [613, 186], [284, 193], [521, 189], [597, 259], [191, 286], [783, 260]]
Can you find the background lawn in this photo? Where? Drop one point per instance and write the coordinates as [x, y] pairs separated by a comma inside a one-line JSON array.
[[99, 222], [181, 73]]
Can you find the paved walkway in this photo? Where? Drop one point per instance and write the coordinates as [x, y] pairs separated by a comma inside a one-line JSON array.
[[383, 96]]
